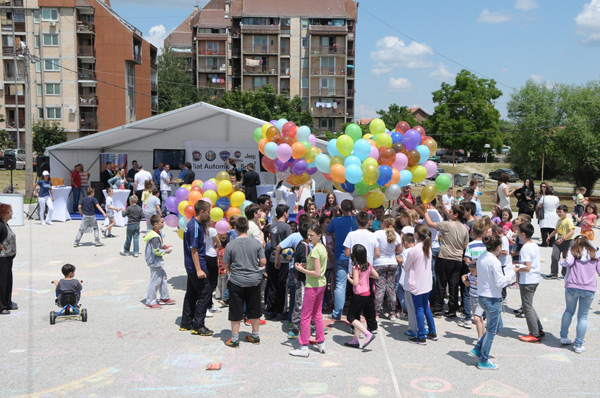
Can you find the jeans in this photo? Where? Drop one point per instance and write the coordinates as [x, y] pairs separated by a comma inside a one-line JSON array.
[[423, 312], [466, 299], [341, 280], [585, 298], [493, 311], [557, 250], [312, 306], [400, 291], [133, 231], [77, 193]]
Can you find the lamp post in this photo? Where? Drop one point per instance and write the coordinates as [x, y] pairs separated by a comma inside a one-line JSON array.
[[487, 148], [27, 59]]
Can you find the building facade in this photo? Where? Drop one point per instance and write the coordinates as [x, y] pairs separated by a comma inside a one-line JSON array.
[[90, 70], [304, 49]]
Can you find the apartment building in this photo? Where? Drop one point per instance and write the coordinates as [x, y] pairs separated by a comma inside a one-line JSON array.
[[90, 70], [304, 48], [180, 43]]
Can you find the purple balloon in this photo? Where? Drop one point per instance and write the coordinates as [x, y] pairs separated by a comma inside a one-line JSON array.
[[209, 186], [273, 122], [171, 203], [207, 200], [299, 167], [412, 139], [431, 168], [181, 194], [281, 166], [312, 139], [311, 170], [172, 220], [374, 152]]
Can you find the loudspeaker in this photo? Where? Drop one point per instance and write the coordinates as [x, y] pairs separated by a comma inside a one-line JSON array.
[[10, 161], [43, 163]]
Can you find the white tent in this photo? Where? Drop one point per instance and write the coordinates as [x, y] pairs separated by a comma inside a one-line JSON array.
[[197, 122]]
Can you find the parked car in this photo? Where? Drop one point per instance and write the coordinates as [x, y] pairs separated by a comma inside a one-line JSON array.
[[459, 156], [512, 176], [475, 156], [477, 176], [435, 158], [437, 173], [20, 155]]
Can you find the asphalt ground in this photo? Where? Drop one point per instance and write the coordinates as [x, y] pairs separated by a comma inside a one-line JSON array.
[[124, 350]]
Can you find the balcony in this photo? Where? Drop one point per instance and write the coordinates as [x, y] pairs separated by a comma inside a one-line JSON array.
[[86, 51], [8, 51], [212, 69], [327, 92], [255, 29], [9, 99], [154, 86], [328, 112], [328, 72], [85, 27], [211, 36], [332, 50], [10, 75], [285, 51], [273, 49], [154, 105], [327, 30], [11, 3], [12, 123], [202, 51], [205, 84], [137, 57], [88, 100], [258, 70], [89, 123], [87, 74]]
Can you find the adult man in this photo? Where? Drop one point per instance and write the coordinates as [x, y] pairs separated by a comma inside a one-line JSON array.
[[140, 178], [106, 175], [131, 175], [244, 258], [165, 188], [197, 294], [190, 176], [468, 194], [85, 182], [76, 187], [340, 227], [277, 281], [250, 181], [183, 171], [408, 196], [156, 174]]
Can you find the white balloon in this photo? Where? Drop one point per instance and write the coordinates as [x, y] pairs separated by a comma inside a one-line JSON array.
[[393, 192], [360, 202]]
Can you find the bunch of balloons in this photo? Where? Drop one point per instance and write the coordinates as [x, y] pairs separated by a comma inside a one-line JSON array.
[[290, 151], [225, 199]]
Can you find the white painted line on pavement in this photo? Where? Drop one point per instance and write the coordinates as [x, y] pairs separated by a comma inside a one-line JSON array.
[[389, 362]]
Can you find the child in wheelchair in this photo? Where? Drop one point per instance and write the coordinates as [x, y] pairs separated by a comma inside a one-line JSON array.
[[68, 293]]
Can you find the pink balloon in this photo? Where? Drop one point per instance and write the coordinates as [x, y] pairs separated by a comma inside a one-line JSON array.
[[431, 168], [374, 152], [401, 162], [222, 226], [284, 152], [312, 139], [207, 200]]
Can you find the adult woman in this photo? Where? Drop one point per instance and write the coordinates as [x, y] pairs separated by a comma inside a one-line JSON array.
[[330, 204], [503, 192], [120, 180], [526, 197], [548, 203], [43, 191], [8, 250], [307, 190], [386, 265], [476, 192]]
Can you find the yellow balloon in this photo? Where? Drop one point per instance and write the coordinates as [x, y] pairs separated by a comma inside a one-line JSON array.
[[374, 199], [212, 195], [383, 139], [187, 186], [369, 161], [224, 187], [264, 128], [237, 198], [181, 207], [418, 173], [428, 193], [180, 233], [216, 214], [312, 154], [377, 126], [344, 145], [367, 136], [222, 175], [336, 160], [370, 174]]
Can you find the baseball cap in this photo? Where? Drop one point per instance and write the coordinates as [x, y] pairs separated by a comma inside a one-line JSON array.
[[45, 173]]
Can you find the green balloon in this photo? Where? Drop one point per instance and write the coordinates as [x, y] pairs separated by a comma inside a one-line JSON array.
[[354, 131], [442, 183], [257, 134], [362, 187]]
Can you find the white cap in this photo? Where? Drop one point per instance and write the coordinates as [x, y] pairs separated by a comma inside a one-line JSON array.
[[45, 173]]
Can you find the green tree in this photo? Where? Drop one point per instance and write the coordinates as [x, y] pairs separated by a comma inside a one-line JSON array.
[[175, 86], [560, 124], [395, 114], [465, 114], [46, 134]]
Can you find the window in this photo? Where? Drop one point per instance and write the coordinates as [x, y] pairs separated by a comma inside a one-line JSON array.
[[260, 43], [304, 63], [327, 65], [130, 80], [212, 47], [39, 89], [38, 66], [304, 42], [36, 16], [7, 41], [326, 124], [37, 41], [304, 102], [50, 39], [304, 82], [51, 64], [304, 23], [54, 113], [327, 86], [49, 14], [20, 16], [53, 88], [258, 82]]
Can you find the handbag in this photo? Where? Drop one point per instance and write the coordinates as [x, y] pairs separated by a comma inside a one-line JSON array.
[[539, 211]]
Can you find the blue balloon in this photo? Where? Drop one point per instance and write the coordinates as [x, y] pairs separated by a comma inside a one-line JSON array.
[[280, 123], [362, 149], [353, 173], [352, 160], [424, 152], [405, 178], [322, 163], [303, 133], [224, 203], [271, 150], [385, 175], [182, 222], [332, 148], [397, 138], [348, 187]]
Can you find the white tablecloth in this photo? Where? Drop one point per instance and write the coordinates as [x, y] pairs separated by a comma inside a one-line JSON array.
[[61, 200], [119, 200]]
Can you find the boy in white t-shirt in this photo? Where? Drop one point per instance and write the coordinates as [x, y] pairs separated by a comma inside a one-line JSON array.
[[529, 279], [474, 249], [408, 242]]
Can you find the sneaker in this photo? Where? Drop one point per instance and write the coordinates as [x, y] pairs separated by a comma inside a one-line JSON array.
[[432, 336], [550, 276], [209, 314], [76, 244], [42, 223], [579, 349], [110, 236], [374, 331], [489, 365], [368, 339], [410, 333], [475, 353], [529, 338], [123, 253], [104, 232], [253, 340], [332, 318], [519, 311], [232, 344], [166, 302], [465, 323], [293, 335], [214, 310], [437, 314], [417, 340], [321, 347], [520, 315], [565, 341], [153, 306], [392, 316], [49, 222], [135, 255], [202, 331], [300, 352], [450, 315], [183, 328], [354, 343], [98, 244]]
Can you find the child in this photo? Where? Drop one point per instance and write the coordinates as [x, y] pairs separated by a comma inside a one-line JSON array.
[[361, 272], [588, 221], [506, 223], [299, 279], [496, 215], [146, 194], [152, 207], [212, 244], [459, 196], [313, 293], [408, 242], [110, 212], [134, 215], [470, 280], [324, 220], [564, 231], [580, 285], [579, 199], [475, 248], [529, 279], [293, 226], [223, 275], [155, 250], [386, 266], [87, 209], [68, 284]]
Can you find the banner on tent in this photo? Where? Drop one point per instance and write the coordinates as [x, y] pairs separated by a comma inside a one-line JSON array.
[[210, 156]]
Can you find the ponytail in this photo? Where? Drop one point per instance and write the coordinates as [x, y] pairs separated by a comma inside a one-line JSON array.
[[423, 235], [388, 223], [492, 242]]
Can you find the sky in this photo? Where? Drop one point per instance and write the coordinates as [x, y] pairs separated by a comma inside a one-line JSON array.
[[405, 50]]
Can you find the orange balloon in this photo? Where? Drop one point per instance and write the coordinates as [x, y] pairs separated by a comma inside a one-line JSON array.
[[261, 145], [194, 196], [298, 150], [197, 183], [271, 132], [431, 144], [338, 173], [387, 156], [232, 211], [395, 178], [413, 158], [372, 142], [189, 211], [286, 140], [276, 139]]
